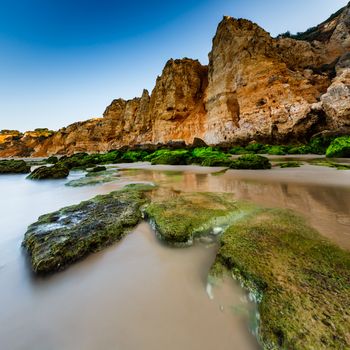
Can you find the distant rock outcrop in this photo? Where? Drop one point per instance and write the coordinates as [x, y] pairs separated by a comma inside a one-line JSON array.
[[255, 88]]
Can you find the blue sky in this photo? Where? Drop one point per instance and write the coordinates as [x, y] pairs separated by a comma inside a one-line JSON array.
[[65, 60]]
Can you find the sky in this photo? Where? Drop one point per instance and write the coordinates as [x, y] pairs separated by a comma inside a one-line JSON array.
[[63, 61]]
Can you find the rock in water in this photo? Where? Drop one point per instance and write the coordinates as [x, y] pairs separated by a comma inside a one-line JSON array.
[[251, 161], [57, 171], [58, 239], [14, 167]]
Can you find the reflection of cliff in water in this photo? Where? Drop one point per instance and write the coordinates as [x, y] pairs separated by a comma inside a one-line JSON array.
[[326, 207]]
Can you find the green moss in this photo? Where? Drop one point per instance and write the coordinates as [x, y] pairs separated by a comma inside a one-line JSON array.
[[255, 147], [133, 156], [58, 239], [302, 149], [14, 167], [301, 281], [186, 215], [274, 150], [319, 144], [97, 169], [220, 162], [95, 178], [58, 171], [251, 161], [171, 157], [209, 156], [329, 164], [240, 150], [52, 160], [340, 147], [289, 164]]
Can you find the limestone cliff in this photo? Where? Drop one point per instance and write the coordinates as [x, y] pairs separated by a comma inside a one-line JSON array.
[[255, 88]]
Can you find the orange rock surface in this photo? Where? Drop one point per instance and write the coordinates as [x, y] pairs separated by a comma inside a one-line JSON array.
[[255, 88]]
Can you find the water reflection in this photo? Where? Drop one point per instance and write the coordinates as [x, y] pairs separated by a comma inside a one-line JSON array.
[[326, 207]]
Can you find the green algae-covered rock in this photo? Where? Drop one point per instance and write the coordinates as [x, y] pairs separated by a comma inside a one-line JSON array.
[[52, 160], [14, 167], [182, 216], [95, 178], [340, 147], [58, 171], [97, 169], [58, 239], [251, 161], [300, 280], [209, 156], [290, 164], [171, 157]]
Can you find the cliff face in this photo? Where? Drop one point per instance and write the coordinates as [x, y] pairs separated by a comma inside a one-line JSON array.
[[252, 93], [255, 88]]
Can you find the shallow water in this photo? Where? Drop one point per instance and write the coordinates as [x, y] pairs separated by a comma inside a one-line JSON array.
[[320, 194], [140, 294]]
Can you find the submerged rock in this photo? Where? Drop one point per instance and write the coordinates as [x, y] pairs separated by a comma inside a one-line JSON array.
[[95, 178], [57, 171], [14, 167], [183, 216], [58, 239], [97, 169]]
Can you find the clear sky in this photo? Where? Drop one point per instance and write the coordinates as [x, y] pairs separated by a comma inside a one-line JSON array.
[[63, 61]]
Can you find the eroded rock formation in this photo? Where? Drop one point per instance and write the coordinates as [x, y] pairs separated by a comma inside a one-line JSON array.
[[255, 88]]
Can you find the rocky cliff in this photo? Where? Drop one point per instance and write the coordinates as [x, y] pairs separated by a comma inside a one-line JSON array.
[[255, 87]]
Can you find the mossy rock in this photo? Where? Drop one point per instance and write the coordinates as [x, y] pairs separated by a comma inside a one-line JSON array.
[[14, 167], [58, 239], [329, 164], [184, 216], [170, 157], [219, 162], [300, 280], [289, 164], [133, 156], [339, 148], [97, 169], [57, 171], [254, 147], [251, 161], [275, 150], [240, 150], [320, 143], [302, 149], [95, 178], [52, 160], [209, 156]]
